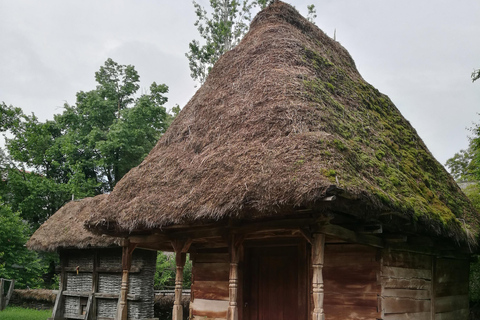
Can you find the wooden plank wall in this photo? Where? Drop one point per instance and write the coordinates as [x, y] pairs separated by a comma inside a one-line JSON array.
[[451, 289], [210, 275], [351, 281], [406, 285]]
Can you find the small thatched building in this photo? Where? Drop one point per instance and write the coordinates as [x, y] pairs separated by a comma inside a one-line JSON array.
[[91, 267], [300, 191]]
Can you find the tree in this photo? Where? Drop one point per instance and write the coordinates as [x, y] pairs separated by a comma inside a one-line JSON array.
[[475, 75], [9, 116], [16, 261], [85, 150], [461, 165], [221, 31], [312, 13], [221, 28]]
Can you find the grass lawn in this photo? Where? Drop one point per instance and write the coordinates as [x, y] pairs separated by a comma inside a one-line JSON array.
[[17, 313]]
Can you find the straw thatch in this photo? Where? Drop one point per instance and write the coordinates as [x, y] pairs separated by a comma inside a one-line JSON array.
[[65, 229], [282, 121]]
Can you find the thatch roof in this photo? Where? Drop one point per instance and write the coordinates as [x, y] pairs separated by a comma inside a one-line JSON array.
[[284, 120], [65, 229]]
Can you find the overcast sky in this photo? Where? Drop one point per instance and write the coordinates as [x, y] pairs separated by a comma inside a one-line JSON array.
[[420, 53]]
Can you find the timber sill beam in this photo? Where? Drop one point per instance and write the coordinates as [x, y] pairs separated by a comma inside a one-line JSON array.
[[351, 236]]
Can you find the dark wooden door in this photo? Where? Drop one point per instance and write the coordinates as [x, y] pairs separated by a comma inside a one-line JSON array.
[[275, 283]]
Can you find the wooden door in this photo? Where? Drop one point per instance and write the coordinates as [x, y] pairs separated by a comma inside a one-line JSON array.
[[275, 283]]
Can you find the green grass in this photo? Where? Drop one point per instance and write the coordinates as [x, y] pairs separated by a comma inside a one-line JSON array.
[[17, 313]]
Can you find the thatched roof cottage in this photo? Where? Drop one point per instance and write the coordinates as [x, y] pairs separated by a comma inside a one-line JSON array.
[[300, 191], [91, 267]]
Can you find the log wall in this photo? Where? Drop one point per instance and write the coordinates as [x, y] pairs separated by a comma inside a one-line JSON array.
[[351, 282], [451, 289], [210, 278], [406, 285]]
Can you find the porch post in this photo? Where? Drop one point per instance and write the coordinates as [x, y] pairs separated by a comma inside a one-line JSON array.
[[180, 248], [122, 307], [318, 249], [235, 245]]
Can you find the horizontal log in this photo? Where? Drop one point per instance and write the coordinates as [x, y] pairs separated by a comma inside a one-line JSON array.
[[407, 293], [345, 299], [209, 308], [132, 297], [452, 270], [211, 271], [133, 269], [406, 273], [75, 316], [404, 305], [348, 274], [451, 303], [408, 316], [210, 290], [351, 236], [336, 312], [406, 284], [77, 293], [462, 314], [404, 259], [451, 289], [210, 257]]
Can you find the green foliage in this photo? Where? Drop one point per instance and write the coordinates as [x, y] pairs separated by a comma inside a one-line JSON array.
[[18, 313], [166, 271], [16, 261], [475, 75], [461, 166], [85, 150], [221, 30], [312, 13], [9, 116]]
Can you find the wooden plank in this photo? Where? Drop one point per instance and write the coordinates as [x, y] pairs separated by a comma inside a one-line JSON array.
[[209, 308], [336, 312], [451, 289], [462, 314], [404, 305], [211, 271], [404, 259], [408, 316], [419, 284], [452, 270], [2, 297], [210, 290], [363, 300], [407, 293], [351, 236], [77, 293], [406, 273], [210, 257], [451, 303], [358, 273]]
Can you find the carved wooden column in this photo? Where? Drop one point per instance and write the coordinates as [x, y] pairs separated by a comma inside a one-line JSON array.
[[180, 247], [318, 249], [122, 307], [235, 247]]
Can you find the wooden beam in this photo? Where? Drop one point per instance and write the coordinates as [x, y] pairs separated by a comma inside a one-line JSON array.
[[235, 247], [180, 247], [58, 308], [122, 307], [351, 236], [318, 251], [2, 298]]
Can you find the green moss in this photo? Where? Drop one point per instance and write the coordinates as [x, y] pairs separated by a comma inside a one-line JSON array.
[[339, 145]]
